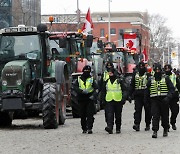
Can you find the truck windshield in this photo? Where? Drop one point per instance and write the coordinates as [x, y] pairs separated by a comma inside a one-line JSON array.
[[14, 46]]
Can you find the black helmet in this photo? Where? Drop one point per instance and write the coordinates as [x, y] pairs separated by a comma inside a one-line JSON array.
[[168, 66], [157, 66], [141, 64], [109, 65], [86, 68]]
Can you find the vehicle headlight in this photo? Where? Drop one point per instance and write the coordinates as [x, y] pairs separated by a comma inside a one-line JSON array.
[[18, 82], [4, 82]]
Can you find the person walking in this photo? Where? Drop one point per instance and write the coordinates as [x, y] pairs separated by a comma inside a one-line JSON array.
[[173, 104], [114, 95], [159, 92], [85, 86], [137, 88]]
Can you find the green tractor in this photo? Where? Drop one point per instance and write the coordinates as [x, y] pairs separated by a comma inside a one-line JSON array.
[[31, 80]]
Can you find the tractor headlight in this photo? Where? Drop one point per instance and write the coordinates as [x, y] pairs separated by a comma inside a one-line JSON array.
[[4, 82], [18, 82]]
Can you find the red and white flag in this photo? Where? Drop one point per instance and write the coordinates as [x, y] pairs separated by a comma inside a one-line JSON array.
[[88, 24], [145, 55], [130, 41]]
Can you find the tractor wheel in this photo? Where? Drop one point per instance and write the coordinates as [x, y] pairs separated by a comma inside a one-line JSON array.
[[49, 110], [62, 109], [6, 119]]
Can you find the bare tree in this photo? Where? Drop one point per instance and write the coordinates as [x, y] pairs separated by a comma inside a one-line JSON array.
[[161, 37]]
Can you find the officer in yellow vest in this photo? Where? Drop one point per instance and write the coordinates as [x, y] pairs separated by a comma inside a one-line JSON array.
[[114, 95], [159, 92], [85, 87], [173, 104], [137, 88]]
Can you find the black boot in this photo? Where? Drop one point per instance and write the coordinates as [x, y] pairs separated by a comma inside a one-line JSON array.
[[174, 127], [109, 130], [89, 131], [147, 128], [165, 133], [154, 135], [136, 127]]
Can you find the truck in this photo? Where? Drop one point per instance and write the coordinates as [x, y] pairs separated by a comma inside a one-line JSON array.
[[31, 80]]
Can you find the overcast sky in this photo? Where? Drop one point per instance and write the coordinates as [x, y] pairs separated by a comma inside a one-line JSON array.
[[167, 8]]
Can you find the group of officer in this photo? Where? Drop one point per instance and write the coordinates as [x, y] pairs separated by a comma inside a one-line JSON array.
[[157, 92]]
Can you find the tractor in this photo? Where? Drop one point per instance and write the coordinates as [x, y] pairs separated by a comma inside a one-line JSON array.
[[31, 80], [74, 48]]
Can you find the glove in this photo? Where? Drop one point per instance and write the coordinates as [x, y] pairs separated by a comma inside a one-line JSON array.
[[85, 92], [91, 97], [166, 100]]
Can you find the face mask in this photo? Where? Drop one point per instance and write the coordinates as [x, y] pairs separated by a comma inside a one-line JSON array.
[[86, 74], [158, 75], [142, 71], [168, 72]]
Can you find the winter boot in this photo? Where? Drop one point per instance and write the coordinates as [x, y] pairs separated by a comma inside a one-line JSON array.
[[109, 130], [174, 127], [154, 135], [136, 127], [165, 133], [84, 131], [89, 131], [147, 128]]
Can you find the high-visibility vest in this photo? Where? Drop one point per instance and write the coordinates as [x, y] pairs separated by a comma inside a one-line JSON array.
[[87, 85], [173, 80], [140, 81], [158, 88], [114, 91], [105, 76]]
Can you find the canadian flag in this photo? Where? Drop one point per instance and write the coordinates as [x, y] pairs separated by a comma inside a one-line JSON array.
[[88, 24], [130, 41], [145, 55]]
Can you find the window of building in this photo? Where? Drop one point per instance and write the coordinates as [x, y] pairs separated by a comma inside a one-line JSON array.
[[113, 31], [102, 32]]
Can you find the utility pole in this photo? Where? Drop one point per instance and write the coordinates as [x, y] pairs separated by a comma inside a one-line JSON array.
[[78, 15], [109, 23]]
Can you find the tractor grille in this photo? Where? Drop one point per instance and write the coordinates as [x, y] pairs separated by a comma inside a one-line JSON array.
[[11, 74]]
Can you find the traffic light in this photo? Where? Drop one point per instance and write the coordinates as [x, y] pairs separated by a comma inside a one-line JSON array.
[[173, 54]]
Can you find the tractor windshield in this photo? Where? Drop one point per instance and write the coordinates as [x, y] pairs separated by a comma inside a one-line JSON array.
[[13, 47]]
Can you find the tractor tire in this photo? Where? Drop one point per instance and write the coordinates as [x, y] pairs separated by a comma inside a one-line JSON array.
[[62, 109], [6, 119], [49, 111]]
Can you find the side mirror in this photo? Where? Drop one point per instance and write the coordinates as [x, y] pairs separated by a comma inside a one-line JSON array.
[[62, 42], [99, 44], [89, 41]]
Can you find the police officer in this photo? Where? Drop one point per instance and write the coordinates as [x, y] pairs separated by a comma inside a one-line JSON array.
[[137, 88], [159, 91], [173, 105], [114, 95], [86, 86]]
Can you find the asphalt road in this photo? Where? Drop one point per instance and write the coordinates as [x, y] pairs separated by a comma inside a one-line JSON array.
[[29, 137]]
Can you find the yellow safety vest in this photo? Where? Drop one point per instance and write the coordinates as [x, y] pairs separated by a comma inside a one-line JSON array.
[[105, 76], [87, 86], [114, 91], [158, 88], [140, 81]]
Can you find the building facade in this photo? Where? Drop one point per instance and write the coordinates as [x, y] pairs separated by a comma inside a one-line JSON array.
[[16, 12]]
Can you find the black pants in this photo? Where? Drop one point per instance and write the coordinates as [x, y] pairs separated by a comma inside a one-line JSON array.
[[139, 104], [113, 109], [87, 109], [174, 108], [160, 110]]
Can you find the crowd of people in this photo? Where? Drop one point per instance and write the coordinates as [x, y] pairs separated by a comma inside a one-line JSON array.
[[157, 92]]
